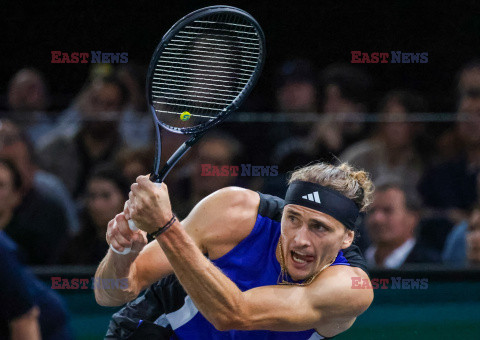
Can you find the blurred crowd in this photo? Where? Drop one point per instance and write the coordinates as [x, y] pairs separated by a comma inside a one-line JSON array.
[[65, 174]]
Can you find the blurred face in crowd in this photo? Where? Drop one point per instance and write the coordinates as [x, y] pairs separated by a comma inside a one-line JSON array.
[[334, 102], [102, 109], [468, 120], [469, 81], [389, 222], [9, 196], [395, 131], [297, 96], [14, 148], [104, 201], [27, 92], [215, 152], [134, 168], [473, 239]]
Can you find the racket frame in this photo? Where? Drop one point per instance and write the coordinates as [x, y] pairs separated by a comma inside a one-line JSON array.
[[158, 175]]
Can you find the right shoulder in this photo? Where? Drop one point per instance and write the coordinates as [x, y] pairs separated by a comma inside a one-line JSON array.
[[222, 219]]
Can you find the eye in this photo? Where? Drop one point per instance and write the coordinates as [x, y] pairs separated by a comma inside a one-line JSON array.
[[320, 227], [292, 218]]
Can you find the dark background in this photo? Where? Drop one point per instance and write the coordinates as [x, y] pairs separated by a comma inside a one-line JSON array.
[[323, 31]]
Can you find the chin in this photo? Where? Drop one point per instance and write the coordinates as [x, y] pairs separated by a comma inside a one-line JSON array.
[[297, 275]]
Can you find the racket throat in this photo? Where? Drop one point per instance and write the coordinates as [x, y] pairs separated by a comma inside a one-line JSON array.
[[159, 176]]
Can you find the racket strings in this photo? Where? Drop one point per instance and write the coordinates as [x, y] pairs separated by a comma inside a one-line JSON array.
[[204, 68]]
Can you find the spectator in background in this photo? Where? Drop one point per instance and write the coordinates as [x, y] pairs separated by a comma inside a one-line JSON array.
[[68, 121], [107, 191], [346, 94], [97, 141], [392, 150], [462, 245], [28, 101], [30, 310], [449, 187], [345, 91], [297, 87], [473, 240], [136, 126], [391, 224], [296, 94], [135, 162], [16, 147], [35, 222], [193, 182]]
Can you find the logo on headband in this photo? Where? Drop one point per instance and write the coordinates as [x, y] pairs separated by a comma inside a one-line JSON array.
[[314, 197]]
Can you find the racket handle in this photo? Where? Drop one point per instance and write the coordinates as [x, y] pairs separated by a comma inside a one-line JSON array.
[[125, 251]]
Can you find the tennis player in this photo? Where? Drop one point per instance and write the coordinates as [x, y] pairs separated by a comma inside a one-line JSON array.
[[252, 266]]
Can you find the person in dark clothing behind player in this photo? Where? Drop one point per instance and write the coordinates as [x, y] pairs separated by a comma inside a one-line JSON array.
[[34, 221], [30, 310], [275, 268], [391, 223]]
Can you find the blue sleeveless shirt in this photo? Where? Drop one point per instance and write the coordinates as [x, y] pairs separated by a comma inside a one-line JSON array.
[[252, 263]]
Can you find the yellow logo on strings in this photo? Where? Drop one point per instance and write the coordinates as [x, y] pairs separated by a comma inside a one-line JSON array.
[[185, 116]]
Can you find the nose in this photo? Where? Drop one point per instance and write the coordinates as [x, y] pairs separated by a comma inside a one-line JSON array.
[[302, 237], [377, 216]]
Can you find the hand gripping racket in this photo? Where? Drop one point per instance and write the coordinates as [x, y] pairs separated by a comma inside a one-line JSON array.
[[202, 70]]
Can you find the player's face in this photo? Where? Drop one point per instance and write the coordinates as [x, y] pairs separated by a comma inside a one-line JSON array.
[[311, 240]]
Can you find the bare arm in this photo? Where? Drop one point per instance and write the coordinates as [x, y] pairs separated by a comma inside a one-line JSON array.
[[26, 327], [146, 265], [328, 303], [143, 266]]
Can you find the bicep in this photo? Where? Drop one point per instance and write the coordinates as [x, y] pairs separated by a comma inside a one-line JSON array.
[[279, 308], [329, 300]]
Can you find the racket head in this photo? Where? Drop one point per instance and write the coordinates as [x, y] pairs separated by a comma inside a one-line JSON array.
[[204, 68]]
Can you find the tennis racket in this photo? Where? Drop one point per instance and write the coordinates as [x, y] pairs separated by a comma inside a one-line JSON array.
[[202, 70]]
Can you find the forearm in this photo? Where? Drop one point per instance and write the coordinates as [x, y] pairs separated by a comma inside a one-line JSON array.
[[214, 294], [115, 266]]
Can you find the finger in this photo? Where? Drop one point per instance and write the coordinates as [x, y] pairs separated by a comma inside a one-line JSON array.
[[131, 196], [115, 245], [143, 179], [122, 241], [126, 210], [121, 227], [134, 187]]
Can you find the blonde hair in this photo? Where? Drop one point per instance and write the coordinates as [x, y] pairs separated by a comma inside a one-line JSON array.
[[354, 184]]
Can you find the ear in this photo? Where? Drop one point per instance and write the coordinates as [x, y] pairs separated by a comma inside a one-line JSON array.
[[348, 238]]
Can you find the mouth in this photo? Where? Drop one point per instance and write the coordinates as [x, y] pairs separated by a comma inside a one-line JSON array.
[[301, 259]]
